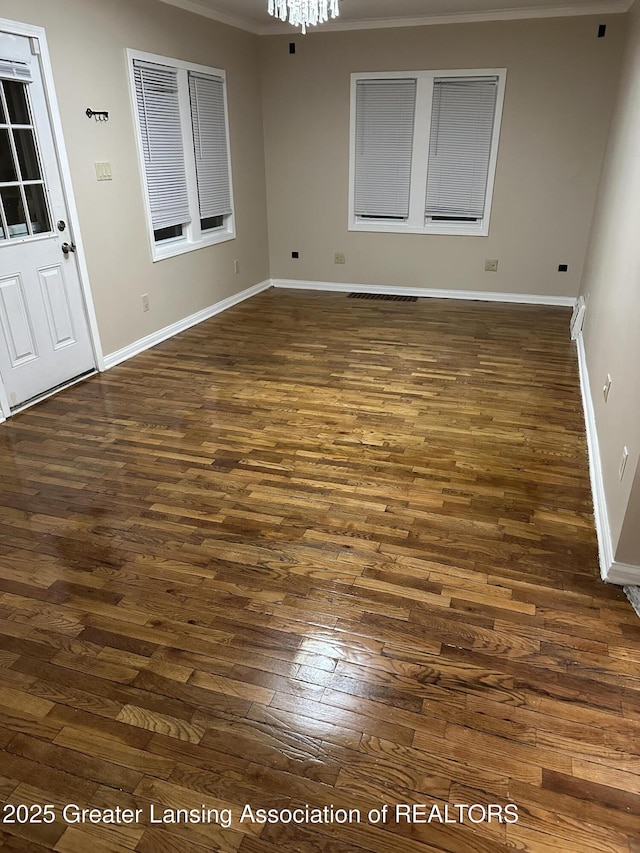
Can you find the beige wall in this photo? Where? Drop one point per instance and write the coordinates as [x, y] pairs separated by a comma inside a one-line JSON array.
[[628, 550], [557, 110], [612, 287], [87, 41]]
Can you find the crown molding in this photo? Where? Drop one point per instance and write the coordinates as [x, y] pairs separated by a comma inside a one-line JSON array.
[[215, 15], [598, 7]]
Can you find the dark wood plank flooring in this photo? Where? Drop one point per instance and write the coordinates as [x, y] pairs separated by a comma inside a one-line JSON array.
[[317, 551]]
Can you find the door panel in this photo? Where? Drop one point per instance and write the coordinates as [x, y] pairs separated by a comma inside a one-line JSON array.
[[56, 303], [14, 318], [45, 339]]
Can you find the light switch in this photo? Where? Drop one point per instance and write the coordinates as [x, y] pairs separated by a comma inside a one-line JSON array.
[[103, 171]]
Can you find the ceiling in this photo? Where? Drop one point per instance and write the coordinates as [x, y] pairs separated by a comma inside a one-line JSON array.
[[366, 14]]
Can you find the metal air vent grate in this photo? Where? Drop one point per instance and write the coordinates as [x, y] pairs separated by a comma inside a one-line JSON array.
[[387, 297]]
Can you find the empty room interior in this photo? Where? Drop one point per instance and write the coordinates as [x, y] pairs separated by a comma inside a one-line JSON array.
[[319, 426]]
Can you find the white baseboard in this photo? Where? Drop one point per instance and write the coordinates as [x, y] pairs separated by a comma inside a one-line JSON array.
[[427, 292], [610, 570], [175, 328], [623, 574]]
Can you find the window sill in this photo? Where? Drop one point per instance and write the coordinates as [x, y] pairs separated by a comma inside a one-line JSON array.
[[450, 229], [181, 247]]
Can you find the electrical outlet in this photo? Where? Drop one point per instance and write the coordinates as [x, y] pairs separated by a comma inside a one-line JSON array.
[[339, 258], [145, 301], [623, 462], [606, 387], [491, 265], [236, 266]]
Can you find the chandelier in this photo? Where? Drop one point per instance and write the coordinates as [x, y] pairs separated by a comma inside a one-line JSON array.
[[304, 13]]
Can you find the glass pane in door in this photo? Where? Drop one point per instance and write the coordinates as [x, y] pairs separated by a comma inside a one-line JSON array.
[[38, 214], [17, 102], [7, 166], [14, 211], [27, 157]]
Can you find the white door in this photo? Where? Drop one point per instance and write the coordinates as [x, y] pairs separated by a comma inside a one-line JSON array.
[[44, 334]]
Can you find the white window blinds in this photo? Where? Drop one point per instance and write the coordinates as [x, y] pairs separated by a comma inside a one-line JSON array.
[[462, 119], [385, 112], [161, 136], [210, 144], [10, 70]]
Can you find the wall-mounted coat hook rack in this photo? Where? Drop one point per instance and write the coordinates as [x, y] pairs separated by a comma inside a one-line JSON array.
[[98, 115]]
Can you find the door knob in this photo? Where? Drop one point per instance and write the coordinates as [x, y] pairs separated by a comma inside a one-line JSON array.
[[68, 247]]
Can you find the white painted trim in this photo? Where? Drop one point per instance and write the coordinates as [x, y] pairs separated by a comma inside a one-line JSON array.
[[39, 33], [598, 7], [419, 163], [623, 574], [610, 570], [603, 531], [214, 15], [427, 292], [604, 7], [577, 320], [175, 328]]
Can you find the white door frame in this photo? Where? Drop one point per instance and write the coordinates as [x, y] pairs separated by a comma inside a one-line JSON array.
[[39, 33]]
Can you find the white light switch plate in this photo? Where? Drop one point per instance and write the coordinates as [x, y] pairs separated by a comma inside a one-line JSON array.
[[103, 171]]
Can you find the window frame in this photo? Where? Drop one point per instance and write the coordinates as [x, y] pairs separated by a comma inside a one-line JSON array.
[[417, 222], [20, 182], [193, 236]]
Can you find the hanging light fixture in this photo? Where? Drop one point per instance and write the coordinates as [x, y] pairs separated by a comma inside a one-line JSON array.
[[304, 13]]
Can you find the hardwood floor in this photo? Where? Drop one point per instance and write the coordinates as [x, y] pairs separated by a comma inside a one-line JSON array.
[[317, 551]]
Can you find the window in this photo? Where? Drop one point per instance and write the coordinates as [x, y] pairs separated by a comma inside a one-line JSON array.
[[183, 140], [423, 150], [24, 210]]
